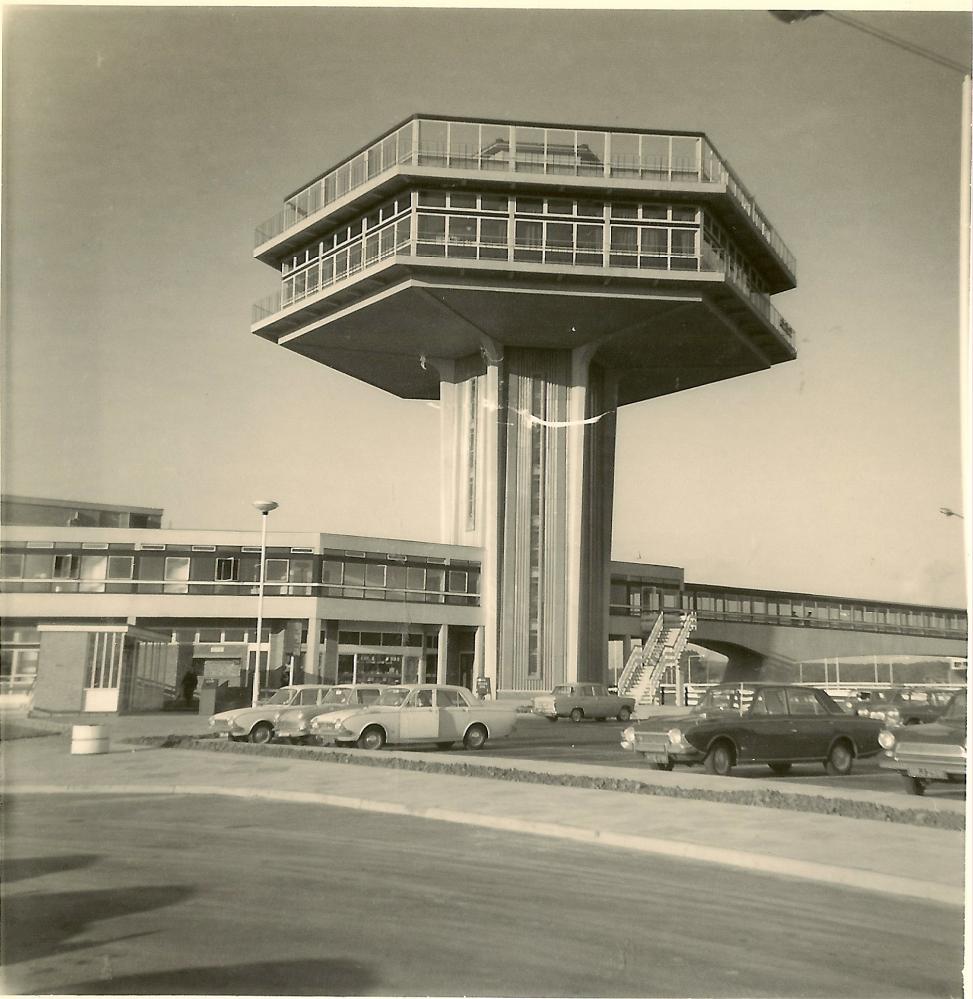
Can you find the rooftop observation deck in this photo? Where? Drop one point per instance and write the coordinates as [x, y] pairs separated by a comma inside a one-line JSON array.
[[513, 155]]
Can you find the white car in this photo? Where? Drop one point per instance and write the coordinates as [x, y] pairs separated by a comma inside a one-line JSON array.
[[436, 713], [294, 722], [256, 724]]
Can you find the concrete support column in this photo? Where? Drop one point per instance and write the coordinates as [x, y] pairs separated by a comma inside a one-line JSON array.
[[311, 671], [328, 652], [443, 653]]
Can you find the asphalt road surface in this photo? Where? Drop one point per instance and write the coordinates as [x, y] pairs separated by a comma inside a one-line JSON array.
[[598, 743], [181, 895]]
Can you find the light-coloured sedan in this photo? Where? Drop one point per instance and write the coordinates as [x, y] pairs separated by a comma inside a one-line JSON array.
[[434, 713], [578, 701], [294, 723], [256, 724]]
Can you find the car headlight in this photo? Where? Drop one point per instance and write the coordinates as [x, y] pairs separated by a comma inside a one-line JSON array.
[[628, 734], [674, 735], [886, 739]]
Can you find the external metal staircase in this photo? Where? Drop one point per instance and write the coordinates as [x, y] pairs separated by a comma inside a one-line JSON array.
[[663, 648]]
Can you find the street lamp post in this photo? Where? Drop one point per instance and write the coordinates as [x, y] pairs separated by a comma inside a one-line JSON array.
[[264, 506]]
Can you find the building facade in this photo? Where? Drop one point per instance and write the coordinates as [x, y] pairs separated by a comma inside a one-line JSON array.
[[110, 619]]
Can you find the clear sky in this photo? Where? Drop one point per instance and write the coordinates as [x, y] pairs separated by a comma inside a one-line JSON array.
[[141, 146]]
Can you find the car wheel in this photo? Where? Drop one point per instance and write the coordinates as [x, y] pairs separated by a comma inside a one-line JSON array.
[[261, 733], [576, 714], [840, 760], [780, 768], [624, 714], [914, 785], [661, 766], [719, 760], [475, 737], [372, 738], [444, 745]]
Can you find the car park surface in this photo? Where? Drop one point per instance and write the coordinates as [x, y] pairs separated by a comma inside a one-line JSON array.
[[775, 724], [441, 714], [578, 701], [256, 724], [928, 753]]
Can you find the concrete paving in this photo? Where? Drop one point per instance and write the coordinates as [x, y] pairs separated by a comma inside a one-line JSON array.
[[885, 857]]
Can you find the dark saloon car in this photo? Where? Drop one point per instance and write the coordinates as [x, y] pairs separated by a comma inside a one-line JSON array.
[[911, 706], [776, 724], [924, 754]]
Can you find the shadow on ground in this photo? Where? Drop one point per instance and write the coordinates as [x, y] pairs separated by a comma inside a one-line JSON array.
[[22, 868], [270, 978], [42, 924]]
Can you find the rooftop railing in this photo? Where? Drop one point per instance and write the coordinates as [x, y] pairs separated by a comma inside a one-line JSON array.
[[370, 250], [470, 145]]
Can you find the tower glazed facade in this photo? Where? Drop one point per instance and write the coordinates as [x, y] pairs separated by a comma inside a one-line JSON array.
[[532, 278]]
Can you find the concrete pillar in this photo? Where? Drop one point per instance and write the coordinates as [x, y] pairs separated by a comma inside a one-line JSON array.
[[443, 653], [311, 669], [328, 652]]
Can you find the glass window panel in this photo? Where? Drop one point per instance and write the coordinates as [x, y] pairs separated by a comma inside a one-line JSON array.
[[591, 209], [11, 566], [591, 153], [624, 211], [494, 231], [685, 156], [404, 139], [432, 228], [494, 202], [432, 141], [624, 154], [435, 583], [655, 156], [495, 147], [529, 239], [275, 570], [462, 199], [684, 213], [533, 206], [560, 206], [415, 578], [176, 574], [374, 575], [464, 144], [462, 229], [655, 241], [93, 569], [389, 152], [655, 211], [432, 199], [561, 156], [529, 149], [684, 242]]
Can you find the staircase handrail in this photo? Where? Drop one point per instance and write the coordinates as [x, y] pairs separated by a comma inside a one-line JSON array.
[[687, 625], [638, 656]]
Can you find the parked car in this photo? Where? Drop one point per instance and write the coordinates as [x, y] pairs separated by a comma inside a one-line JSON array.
[[256, 724], [776, 724], [583, 700], [930, 752], [911, 706], [853, 704], [438, 713], [294, 722]]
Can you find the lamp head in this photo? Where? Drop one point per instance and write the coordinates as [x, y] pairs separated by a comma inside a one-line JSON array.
[[265, 506]]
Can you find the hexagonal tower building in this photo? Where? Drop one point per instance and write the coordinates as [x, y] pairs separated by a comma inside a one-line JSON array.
[[532, 278]]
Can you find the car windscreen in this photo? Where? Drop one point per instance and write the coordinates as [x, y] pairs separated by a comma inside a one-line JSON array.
[[394, 697], [724, 699], [339, 695]]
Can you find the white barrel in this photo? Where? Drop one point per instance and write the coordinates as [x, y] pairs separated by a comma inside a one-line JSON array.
[[86, 740]]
